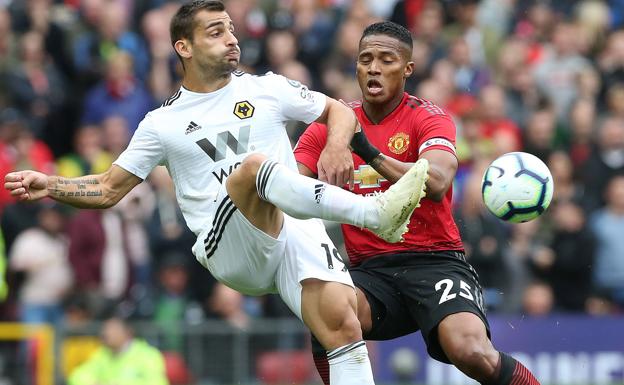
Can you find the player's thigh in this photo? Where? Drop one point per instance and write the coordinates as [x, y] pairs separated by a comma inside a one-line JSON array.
[[388, 316], [447, 285], [237, 253], [309, 254]]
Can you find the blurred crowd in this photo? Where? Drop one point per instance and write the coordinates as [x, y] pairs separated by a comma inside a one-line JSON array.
[[546, 77]]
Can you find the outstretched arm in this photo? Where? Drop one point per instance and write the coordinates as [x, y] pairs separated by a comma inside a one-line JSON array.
[[92, 191], [442, 168], [335, 164]]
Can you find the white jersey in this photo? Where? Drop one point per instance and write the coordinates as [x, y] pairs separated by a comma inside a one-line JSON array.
[[202, 137]]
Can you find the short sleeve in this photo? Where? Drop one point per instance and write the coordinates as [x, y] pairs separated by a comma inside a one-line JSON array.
[[437, 132], [144, 152], [296, 101], [310, 145]]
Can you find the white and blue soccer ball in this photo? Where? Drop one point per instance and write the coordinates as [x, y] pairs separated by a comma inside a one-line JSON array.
[[517, 187]]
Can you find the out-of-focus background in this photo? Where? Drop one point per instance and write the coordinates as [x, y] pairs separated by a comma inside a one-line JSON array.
[[546, 77]]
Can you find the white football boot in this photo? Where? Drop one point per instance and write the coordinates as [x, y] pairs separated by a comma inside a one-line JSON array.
[[396, 204]]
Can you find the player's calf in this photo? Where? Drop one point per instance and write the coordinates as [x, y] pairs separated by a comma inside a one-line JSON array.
[[463, 338], [474, 355], [328, 309]]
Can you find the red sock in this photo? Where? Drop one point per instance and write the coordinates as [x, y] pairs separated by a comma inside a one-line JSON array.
[[320, 360], [512, 372], [322, 366]]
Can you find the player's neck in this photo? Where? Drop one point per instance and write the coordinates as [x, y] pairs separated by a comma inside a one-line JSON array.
[[194, 81], [378, 112]]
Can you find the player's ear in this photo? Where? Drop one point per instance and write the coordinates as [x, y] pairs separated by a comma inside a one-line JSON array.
[[409, 69], [184, 48]]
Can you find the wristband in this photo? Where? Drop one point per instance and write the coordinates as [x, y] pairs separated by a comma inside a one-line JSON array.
[[363, 148]]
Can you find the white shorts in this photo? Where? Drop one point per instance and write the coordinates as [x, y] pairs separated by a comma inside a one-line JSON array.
[[249, 261]]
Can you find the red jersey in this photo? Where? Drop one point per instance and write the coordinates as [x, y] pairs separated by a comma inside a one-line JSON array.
[[414, 127]]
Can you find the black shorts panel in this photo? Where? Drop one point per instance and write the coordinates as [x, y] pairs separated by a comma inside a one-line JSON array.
[[415, 291]]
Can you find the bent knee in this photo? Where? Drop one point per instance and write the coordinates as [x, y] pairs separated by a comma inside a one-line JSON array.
[[245, 174], [251, 164]]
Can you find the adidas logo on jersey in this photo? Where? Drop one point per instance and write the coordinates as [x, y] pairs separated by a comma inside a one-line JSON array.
[[192, 127], [318, 192]]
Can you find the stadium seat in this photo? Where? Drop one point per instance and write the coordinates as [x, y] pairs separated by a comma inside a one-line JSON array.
[[285, 367], [177, 371]]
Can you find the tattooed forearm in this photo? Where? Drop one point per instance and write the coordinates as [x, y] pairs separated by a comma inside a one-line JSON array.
[[80, 182], [79, 192]]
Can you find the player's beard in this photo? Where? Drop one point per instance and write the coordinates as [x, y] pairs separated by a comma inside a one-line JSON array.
[[219, 69]]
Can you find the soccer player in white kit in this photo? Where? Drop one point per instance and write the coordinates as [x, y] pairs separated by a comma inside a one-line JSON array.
[[222, 137]]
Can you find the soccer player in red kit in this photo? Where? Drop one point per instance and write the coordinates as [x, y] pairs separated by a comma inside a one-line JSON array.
[[423, 283]]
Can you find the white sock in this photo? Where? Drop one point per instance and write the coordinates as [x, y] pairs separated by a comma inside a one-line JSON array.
[[304, 198], [350, 365]]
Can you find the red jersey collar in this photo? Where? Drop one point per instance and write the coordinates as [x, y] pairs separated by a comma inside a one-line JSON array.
[[388, 117]]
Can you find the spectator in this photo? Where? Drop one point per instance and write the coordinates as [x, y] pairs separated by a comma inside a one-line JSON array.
[[19, 148], [566, 264], [581, 131], [120, 93], [116, 134], [482, 40], [134, 210], [538, 300], [611, 61], [608, 226], [36, 16], [36, 86], [525, 243], [494, 116], [483, 239], [164, 70], [605, 162], [78, 345], [173, 306], [8, 47], [470, 75], [166, 229], [227, 304], [314, 26], [562, 171], [428, 27], [99, 259], [41, 252], [89, 156], [539, 135], [281, 48], [4, 287], [109, 34], [123, 359], [615, 100], [556, 75]]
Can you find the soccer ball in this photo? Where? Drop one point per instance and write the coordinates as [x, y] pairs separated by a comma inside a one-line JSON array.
[[517, 187]]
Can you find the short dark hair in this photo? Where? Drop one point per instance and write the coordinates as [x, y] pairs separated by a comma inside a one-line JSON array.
[[183, 22], [391, 29]]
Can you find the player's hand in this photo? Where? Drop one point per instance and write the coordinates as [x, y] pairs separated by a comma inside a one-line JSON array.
[[27, 185], [335, 166]]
